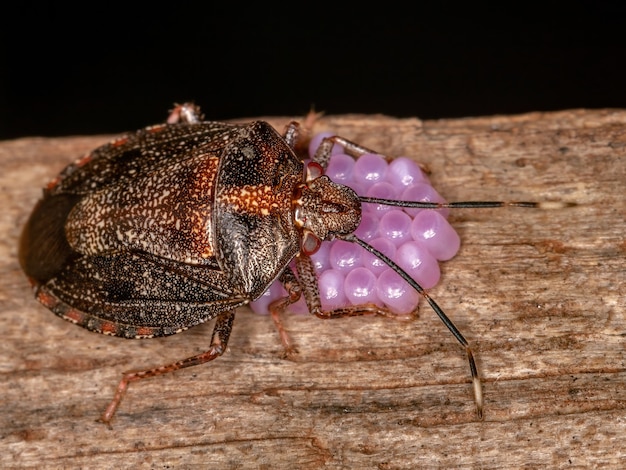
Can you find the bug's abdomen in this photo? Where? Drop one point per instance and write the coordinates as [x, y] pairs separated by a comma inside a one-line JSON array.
[[168, 213], [44, 249]]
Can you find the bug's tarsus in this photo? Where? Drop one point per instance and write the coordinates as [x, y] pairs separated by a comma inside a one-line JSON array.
[[219, 341]]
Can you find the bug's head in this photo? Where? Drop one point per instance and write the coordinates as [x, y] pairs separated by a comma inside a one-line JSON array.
[[323, 209]]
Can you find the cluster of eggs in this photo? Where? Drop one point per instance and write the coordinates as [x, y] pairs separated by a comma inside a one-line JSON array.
[[416, 239]]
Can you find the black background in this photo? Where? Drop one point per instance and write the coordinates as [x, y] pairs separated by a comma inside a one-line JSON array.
[[104, 68]]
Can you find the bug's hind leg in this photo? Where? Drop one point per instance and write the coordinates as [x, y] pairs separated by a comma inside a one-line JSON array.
[[219, 341]]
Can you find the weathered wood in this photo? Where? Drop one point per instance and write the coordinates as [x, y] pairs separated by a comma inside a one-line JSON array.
[[540, 294]]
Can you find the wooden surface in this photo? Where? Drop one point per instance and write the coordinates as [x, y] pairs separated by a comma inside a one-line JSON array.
[[540, 294]]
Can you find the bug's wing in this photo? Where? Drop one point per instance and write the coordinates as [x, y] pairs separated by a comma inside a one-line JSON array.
[[142, 152], [148, 296]]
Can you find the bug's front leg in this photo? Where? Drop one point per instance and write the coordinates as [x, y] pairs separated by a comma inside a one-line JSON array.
[[310, 290], [219, 341], [276, 308]]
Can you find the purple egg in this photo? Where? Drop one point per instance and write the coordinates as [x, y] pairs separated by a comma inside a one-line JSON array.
[[425, 193], [394, 291], [340, 168], [432, 230], [369, 169], [299, 308], [331, 288], [374, 263], [381, 190], [316, 140], [360, 287], [396, 226], [404, 172], [274, 292], [418, 263], [368, 228], [321, 258], [345, 255]]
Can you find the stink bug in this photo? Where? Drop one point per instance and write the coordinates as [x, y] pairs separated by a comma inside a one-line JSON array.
[[184, 222]]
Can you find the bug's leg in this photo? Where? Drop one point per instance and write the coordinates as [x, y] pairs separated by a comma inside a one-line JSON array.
[[187, 113], [292, 133], [323, 152], [276, 308], [297, 136], [219, 341], [310, 290]]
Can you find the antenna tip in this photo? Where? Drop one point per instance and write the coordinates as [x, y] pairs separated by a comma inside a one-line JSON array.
[[478, 397], [552, 205]]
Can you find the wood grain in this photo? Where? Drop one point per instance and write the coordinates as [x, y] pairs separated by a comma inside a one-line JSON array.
[[539, 294]]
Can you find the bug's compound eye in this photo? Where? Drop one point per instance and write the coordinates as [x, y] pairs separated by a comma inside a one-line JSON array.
[[313, 171], [310, 243]]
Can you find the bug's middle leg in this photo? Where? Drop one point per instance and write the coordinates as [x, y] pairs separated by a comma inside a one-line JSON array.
[[276, 308]]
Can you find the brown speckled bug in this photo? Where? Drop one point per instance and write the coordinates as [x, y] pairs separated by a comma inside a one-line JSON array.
[[184, 222]]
